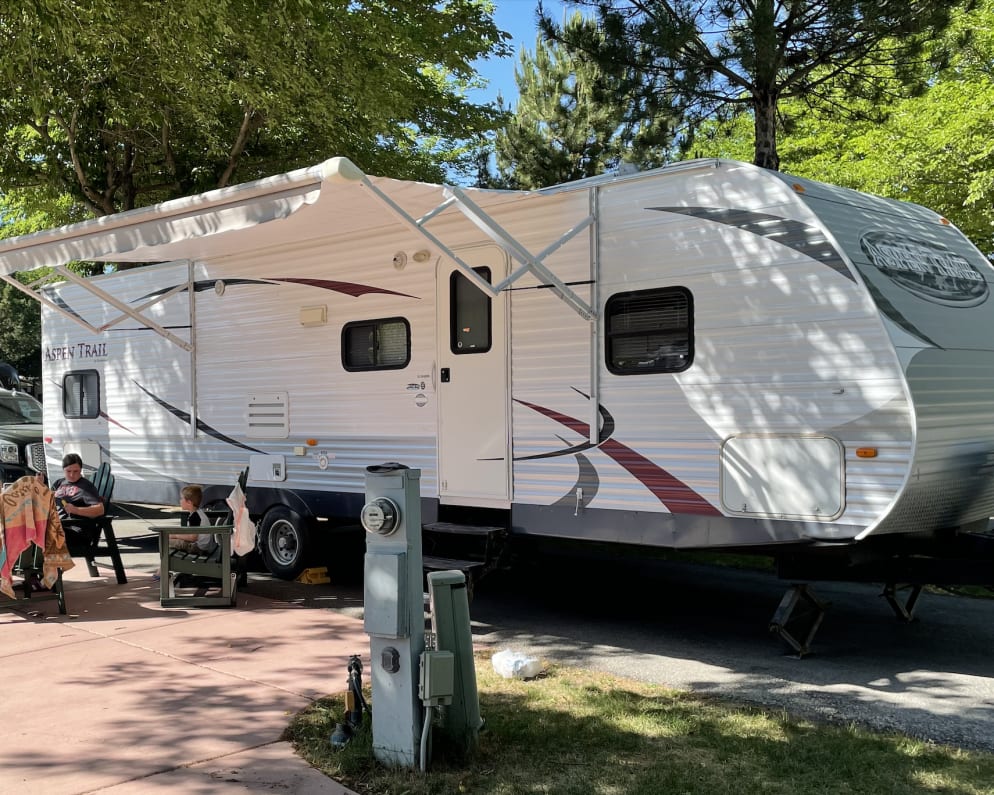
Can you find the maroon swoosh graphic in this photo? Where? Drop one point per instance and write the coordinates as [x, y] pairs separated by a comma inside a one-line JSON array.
[[669, 490], [572, 423], [109, 419], [348, 288], [672, 492]]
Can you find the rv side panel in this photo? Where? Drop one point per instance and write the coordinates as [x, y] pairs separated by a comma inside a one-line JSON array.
[[785, 346], [932, 288]]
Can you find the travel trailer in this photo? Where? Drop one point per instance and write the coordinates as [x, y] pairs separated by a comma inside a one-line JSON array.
[[704, 356]]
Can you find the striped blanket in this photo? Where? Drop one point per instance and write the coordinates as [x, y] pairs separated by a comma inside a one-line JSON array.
[[28, 516]]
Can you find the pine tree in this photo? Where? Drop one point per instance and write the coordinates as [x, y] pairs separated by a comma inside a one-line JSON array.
[[576, 119], [712, 57]]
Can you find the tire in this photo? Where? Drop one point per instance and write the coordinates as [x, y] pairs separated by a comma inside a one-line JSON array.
[[285, 541]]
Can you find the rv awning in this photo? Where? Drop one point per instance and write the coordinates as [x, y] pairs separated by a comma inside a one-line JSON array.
[[235, 220], [133, 236]]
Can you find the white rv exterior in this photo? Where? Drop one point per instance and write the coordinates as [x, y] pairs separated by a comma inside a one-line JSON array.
[[704, 355]]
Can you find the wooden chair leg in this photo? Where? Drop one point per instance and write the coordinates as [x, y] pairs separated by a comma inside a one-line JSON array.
[[91, 564], [60, 593], [115, 554], [241, 569]]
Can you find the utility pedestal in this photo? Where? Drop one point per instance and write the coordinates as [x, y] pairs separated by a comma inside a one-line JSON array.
[[453, 633], [394, 609]]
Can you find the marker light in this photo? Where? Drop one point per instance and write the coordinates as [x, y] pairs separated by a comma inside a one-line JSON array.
[[866, 452]]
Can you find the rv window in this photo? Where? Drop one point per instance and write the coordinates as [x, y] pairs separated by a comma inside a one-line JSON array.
[[81, 395], [469, 312], [376, 344], [650, 331]]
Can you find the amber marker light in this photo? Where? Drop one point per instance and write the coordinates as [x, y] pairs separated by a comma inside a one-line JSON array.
[[312, 442], [945, 221], [798, 187], [866, 452]]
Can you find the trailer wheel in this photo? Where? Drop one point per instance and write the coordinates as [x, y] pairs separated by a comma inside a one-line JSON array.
[[285, 542]]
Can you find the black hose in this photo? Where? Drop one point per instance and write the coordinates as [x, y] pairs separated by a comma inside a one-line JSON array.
[[359, 704]]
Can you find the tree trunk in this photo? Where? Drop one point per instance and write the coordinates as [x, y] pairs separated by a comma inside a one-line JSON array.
[[765, 112]]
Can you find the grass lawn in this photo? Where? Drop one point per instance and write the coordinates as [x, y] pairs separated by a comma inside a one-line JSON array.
[[576, 732]]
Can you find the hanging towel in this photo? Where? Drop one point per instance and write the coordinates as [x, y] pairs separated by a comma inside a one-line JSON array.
[[243, 540], [28, 516]]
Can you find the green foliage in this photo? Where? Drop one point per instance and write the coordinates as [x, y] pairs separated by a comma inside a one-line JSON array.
[[935, 148], [718, 56], [577, 119], [113, 104], [20, 331], [121, 103]]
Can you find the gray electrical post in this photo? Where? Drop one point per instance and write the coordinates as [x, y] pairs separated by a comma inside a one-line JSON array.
[[394, 609]]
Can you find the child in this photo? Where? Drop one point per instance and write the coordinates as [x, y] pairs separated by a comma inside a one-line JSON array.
[[189, 500]]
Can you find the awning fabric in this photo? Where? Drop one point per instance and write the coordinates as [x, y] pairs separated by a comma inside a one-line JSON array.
[[330, 199], [310, 202]]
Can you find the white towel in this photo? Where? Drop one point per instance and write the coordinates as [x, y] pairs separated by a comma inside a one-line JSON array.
[[243, 541]]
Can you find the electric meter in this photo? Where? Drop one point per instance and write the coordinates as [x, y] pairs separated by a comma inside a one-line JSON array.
[[380, 516]]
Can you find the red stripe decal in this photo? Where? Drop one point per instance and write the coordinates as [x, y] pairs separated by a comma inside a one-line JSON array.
[[676, 495], [672, 492]]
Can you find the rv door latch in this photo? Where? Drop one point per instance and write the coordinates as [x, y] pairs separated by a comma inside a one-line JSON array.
[[444, 375]]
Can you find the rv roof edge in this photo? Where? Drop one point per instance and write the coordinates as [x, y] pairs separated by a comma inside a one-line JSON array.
[[341, 169], [700, 164]]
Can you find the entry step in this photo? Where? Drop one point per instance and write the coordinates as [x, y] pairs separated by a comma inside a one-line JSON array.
[[430, 563], [462, 529]]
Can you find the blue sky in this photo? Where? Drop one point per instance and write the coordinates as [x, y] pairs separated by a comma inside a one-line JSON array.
[[517, 17]]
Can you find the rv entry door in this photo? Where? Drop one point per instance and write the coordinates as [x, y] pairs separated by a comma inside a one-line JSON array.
[[474, 459]]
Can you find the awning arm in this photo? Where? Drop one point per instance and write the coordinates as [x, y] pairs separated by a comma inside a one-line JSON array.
[[44, 299], [500, 236], [179, 288], [569, 235], [344, 170], [128, 311]]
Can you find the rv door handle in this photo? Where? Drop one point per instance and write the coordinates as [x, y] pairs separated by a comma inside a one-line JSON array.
[[443, 375]]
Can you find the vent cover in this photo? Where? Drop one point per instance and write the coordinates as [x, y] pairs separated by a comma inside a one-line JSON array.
[[268, 415]]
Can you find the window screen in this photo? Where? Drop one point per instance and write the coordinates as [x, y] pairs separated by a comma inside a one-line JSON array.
[[376, 344], [81, 395], [470, 313], [650, 331]]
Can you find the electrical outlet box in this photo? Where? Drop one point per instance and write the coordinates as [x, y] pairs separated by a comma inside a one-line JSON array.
[[438, 675]]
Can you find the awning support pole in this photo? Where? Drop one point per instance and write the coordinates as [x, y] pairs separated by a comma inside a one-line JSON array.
[[123, 307], [44, 299], [456, 197]]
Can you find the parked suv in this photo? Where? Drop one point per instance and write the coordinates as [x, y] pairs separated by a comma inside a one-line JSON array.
[[22, 450]]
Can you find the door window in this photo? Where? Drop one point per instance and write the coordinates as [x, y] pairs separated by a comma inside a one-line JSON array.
[[470, 312]]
